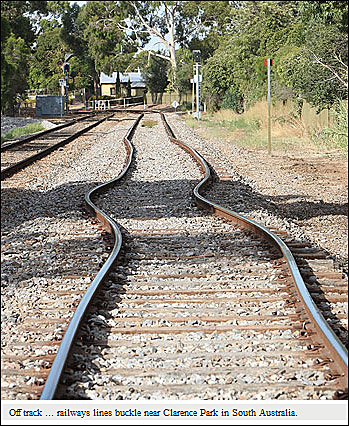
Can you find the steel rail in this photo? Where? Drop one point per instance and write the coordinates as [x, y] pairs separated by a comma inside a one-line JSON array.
[[67, 342], [9, 171], [331, 342], [66, 345], [37, 135]]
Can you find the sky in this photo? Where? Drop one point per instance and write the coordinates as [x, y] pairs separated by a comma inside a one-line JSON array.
[[150, 45]]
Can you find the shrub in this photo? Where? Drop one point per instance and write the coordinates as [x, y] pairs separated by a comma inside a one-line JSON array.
[[233, 100], [336, 136]]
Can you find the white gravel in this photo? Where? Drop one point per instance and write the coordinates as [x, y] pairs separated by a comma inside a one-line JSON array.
[[48, 243], [47, 238]]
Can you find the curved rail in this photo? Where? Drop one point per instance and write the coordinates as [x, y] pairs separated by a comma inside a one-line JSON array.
[[73, 327], [337, 351]]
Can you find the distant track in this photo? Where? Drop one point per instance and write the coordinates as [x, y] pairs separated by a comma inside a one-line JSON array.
[[20, 154], [11, 144]]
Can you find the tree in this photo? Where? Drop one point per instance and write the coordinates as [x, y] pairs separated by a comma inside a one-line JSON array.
[[236, 69], [155, 75], [58, 35], [317, 68], [17, 37], [106, 44], [14, 73], [172, 23], [326, 12], [47, 61]]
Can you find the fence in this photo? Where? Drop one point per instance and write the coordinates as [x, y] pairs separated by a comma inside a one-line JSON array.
[[104, 104], [311, 119], [167, 98]]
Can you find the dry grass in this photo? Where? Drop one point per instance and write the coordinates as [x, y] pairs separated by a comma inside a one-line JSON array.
[[250, 129]]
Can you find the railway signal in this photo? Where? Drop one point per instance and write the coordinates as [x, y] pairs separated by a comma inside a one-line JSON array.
[[197, 56], [197, 59], [66, 69]]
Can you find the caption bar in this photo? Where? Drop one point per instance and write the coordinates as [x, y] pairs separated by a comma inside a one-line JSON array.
[[209, 412]]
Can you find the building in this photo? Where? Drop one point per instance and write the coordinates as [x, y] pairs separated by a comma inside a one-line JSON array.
[[131, 84]]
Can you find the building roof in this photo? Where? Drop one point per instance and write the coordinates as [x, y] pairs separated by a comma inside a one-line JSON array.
[[136, 79]]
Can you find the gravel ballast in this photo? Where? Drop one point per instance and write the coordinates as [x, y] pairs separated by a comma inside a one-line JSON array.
[[304, 194], [44, 224]]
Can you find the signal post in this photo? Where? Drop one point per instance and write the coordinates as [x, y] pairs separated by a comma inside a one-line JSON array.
[[197, 59], [66, 71]]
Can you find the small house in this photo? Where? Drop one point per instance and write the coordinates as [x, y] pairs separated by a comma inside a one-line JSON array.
[[131, 84]]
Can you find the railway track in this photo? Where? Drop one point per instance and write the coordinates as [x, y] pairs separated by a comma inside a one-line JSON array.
[[17, 155], [196, 306]]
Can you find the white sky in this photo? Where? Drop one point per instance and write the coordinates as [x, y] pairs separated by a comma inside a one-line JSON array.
[[150, 45]]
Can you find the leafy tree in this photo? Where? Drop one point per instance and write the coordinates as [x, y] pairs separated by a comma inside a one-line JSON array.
[[17, 37], [155, 75], [14, 73], [317, 68], [173, 23], [307, 44], [237, 65], [106, 44], [326, 12], [47, 61], [21, 17]]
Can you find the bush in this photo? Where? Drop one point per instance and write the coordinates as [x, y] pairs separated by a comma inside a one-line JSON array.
[[233, 100], [336, 136]]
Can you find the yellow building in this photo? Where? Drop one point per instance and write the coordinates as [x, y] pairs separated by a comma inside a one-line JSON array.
[[131, 84]]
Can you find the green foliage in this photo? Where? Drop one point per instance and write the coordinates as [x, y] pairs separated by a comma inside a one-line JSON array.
[[47, 61], [106, 44], [310, 57], [155, 75], [312, 68], [17, 36], [14, 72], [20, 131], [335, 136], [233, 100], [184, 71], [307, 40], [326, 12]]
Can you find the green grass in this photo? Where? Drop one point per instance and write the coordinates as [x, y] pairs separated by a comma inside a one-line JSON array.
[[20, 131]]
